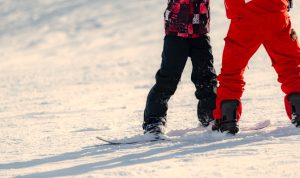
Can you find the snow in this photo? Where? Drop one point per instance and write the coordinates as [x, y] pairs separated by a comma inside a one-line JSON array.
[[74, 70]]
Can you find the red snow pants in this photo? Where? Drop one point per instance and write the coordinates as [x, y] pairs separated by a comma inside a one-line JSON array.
[[245, 35]]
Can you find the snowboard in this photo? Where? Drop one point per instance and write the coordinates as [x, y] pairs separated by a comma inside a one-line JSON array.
[[173, 135], [137, 139]]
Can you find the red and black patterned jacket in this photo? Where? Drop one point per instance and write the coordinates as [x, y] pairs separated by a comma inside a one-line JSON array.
[[187, 18]]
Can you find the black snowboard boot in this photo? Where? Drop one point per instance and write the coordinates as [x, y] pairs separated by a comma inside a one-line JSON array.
[[155, 126], [205, 117], [206, 105], [205, 112], [229, 120], [295, 103]]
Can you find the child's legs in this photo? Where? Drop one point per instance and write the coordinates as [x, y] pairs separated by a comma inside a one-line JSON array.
[[174, 57], [285, 55], [203, 75], [241, 43]]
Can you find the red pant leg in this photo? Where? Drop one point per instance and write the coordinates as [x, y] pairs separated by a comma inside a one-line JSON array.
[[285, 55], [241, 43]]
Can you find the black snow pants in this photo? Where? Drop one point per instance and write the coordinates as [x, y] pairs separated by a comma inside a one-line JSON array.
[[175, 53]]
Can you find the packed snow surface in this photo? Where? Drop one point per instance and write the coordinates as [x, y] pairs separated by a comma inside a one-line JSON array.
[[72, 70]]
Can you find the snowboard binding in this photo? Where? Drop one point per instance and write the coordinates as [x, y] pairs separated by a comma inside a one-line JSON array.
[[156, 126]]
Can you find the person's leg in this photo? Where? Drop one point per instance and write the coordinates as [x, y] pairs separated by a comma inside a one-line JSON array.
[[174, 57], [204, 77], [285, 55], [241, 43]]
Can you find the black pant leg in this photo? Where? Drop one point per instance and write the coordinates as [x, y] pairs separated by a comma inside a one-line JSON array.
[[174, 57], [203, 75]]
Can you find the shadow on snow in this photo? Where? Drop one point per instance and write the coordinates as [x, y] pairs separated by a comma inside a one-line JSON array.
[[153, 152]]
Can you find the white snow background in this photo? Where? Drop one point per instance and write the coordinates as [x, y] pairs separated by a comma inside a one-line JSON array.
[[71, 70]]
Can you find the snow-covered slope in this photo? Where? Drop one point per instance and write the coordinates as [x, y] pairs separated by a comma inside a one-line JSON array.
[[71, 70]]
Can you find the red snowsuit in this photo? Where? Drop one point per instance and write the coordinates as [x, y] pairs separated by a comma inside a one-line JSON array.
[[255, 23]]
